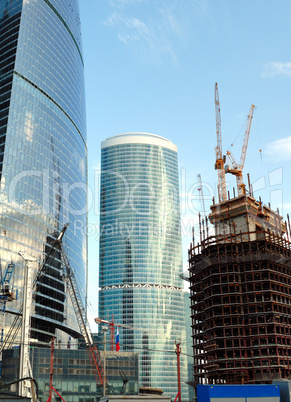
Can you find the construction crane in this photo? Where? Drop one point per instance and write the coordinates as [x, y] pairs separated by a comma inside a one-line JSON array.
[[201, 196], [237, 168], [78, 306], [16, 324], [26, 387], [112, 326], [6, 294], [220, 158], [124, 380], [51, 388], [80, 313]]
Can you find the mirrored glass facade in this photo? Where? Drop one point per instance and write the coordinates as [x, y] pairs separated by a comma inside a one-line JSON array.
[[73, 377], [140, 254], [43, 153]]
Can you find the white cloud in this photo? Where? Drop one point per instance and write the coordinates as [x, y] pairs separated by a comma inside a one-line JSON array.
[[136, 30], [124, 3], [279, 149], [156, 31], [129, 29], [277, 68], [170, 20], [150, 32]]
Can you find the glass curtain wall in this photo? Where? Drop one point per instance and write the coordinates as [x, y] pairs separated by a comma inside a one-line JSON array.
[[140, 254], [43, 154]]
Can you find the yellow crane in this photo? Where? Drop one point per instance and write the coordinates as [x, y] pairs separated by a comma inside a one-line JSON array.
[[220, 158], [237, 168]]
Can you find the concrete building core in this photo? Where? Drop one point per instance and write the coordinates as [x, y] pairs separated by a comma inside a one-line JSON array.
[[245, 215], [240, 286]]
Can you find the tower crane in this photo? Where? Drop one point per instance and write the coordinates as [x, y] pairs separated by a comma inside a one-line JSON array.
[[220, 158], [6, 294], [237, 168], [80, 313], [16, 324], [112, 325], [78, 306], [25, 371], [201, 196]]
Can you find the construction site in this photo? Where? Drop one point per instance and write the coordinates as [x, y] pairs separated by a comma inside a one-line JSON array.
[[79, 372], [75, 372], [240, 290], [240, 283]]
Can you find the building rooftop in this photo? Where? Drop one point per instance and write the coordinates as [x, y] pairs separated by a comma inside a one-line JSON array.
[[139, 138]]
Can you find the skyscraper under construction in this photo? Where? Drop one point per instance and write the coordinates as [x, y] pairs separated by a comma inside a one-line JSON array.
[[241, 296], [240, 281]]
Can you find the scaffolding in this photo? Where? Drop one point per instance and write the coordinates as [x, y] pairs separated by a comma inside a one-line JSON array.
[[240, 282]]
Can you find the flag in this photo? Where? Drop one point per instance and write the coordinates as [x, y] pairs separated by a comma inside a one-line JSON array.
[[117, 341]]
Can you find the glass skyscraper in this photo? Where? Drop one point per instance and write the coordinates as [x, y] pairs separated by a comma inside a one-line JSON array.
[[140, 254], [43, 154]]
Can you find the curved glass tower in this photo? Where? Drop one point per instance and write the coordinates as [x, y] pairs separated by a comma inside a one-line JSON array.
[[43, 153], [140, 254]]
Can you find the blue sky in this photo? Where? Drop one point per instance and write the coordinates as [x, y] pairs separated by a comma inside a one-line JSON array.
[[151, 66]]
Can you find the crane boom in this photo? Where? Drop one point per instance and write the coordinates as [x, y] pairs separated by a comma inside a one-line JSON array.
[[201, 196], [218, 124], [6, 295], [220, 160], [246, 137], [112, 324], [236, 168], [80, 313], [78, 306], [16, 324], [99, 321]]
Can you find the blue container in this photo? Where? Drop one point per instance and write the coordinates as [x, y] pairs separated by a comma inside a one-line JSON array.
[[238, 393]]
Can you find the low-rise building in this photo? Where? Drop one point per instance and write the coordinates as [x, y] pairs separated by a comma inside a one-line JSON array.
[[136, 398], [73, 377]]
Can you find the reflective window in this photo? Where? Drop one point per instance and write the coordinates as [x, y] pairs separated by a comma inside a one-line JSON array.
[[140, 256], [43, 152]]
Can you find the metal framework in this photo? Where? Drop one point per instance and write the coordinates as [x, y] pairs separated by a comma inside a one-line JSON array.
[[220, 159], [112, 324], [11, 335], [80, 312], [142, 285], [237, 168], [241, 307], [6, 295], [77, 303]]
